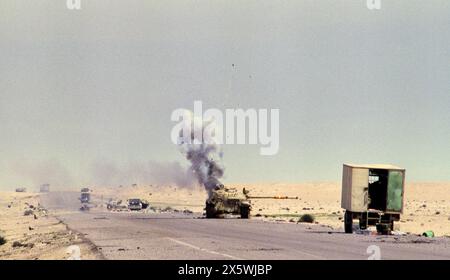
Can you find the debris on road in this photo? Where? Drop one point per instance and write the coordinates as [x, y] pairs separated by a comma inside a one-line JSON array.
[[116, 205], [398, 233]]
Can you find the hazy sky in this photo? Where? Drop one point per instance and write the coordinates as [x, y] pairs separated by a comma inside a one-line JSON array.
[[97, 86]]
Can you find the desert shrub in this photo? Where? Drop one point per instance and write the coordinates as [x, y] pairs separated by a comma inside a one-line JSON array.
[[306, 218], [2, 240]]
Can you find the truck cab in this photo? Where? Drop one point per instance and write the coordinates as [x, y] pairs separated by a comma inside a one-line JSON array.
[[85, 197]]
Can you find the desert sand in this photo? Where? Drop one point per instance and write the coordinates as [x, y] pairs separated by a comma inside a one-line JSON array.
[[37, 235], [426, 205]]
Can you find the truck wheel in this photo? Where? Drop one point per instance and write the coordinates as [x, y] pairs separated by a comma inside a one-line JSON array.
[[210, 211], [363, 221], [348, 222], [384, 229], [386, 225], [245, 212]]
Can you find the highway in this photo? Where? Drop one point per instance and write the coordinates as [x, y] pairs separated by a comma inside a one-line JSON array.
[[135, 235]]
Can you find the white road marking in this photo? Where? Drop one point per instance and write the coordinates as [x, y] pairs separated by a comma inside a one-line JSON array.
[[203, 249], [311, 255]]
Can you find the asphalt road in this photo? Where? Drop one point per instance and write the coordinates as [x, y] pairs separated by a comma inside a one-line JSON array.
[[136, 235]]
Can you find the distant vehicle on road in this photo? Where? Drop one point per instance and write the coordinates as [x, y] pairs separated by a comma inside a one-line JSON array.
[[21, 189], [85, 190], [45, 188], [135, 204], [85, 199]]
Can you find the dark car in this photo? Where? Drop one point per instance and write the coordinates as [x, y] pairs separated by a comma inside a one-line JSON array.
[[135, 204]]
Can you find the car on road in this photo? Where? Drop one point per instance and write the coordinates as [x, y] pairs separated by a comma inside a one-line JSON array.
[[134, 204]]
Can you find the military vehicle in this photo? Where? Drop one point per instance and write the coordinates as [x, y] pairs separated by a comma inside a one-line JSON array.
[[223, 200], [373, 194], [85, 199]]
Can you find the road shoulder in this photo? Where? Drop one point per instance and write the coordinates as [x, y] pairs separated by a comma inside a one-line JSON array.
[[32, 232]]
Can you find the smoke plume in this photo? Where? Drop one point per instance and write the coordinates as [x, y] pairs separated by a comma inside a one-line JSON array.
[[204, 154]]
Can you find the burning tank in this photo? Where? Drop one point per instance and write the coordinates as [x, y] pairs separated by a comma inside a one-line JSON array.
[[223, 200]]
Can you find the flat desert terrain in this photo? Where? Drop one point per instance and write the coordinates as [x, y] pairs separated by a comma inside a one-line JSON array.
[[426, 205]]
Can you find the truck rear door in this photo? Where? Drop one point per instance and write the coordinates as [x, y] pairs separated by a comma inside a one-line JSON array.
[[395, 191]]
